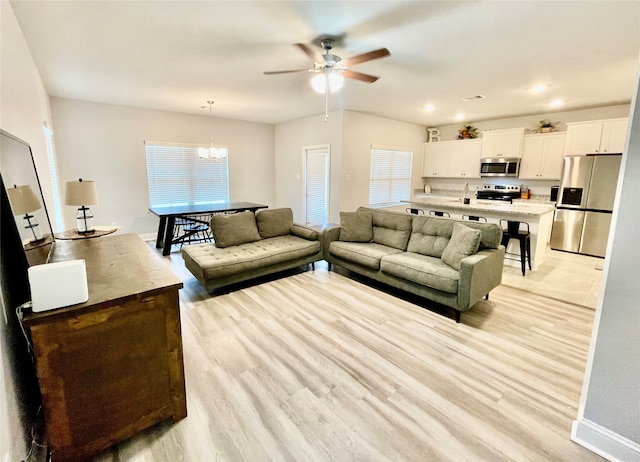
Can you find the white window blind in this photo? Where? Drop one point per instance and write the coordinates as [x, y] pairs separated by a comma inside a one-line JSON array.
[[177, 176], [390, 176], [317, 185], [53, 173]]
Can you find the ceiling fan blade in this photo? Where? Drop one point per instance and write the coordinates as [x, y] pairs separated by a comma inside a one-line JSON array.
[[359, 76], [376, 54], [292, 71], [315, 56]]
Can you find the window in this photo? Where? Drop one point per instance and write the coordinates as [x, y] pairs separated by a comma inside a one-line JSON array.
[[53, 176], [390, 177], [316, 165], [177, 176]]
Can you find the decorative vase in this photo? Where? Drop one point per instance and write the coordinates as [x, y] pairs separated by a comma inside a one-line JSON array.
[[546, 129]]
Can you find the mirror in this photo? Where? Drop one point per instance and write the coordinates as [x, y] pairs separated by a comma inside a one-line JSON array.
[[28, 208]]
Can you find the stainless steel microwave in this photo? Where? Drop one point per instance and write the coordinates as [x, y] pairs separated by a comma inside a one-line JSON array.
[[500, 166]]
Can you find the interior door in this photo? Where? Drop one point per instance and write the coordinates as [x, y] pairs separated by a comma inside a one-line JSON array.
[[316, 189]]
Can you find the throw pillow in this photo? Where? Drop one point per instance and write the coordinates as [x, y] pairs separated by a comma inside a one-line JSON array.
[[234, 229], [356, 226], [464, 242], [274, 222]]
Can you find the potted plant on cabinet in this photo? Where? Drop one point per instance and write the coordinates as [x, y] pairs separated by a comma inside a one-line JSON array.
[[546, 126], [467, 131]]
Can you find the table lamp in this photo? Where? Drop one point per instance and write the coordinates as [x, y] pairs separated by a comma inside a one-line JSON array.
[[23, 201], [82, 193]]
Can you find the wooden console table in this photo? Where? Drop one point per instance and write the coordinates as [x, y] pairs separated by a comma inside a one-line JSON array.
[[112, 366]]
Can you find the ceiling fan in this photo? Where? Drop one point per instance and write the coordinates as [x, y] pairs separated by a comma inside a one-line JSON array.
[[329, 63]]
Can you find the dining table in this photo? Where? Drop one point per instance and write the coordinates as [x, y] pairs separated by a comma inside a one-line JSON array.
[[168, 215]]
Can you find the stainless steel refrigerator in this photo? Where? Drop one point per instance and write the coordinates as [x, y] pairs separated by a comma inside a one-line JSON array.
[[585, 203]]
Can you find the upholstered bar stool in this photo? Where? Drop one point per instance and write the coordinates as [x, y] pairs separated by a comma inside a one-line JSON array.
[[415, 211], [513, 231], [473, 218], [439, 213]]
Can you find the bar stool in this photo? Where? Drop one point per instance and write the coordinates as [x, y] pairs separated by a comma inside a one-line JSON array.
[[439, 213], [513, 231], [473, 218], [415, 211]]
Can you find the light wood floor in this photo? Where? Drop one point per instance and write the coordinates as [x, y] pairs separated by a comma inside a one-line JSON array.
[[318, 367]]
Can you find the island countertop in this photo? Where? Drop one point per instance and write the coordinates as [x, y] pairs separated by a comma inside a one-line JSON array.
[[533, 209]]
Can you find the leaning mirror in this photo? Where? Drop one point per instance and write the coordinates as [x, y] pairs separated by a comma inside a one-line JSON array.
[[28, 208]]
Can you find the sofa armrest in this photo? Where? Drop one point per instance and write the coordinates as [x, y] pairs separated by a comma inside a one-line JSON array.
[[304, 232], [329, 234], [479, 274]]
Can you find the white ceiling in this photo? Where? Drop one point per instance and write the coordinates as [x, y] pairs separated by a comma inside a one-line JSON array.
[[175, 55]]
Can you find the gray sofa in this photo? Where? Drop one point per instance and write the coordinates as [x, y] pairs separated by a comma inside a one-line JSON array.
[[247, 246], [451, 262]]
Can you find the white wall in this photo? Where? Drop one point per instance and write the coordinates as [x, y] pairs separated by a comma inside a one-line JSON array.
[[24, 106], [106, 143], [609, 414], [291, 138], [360, 132], [350, 135]]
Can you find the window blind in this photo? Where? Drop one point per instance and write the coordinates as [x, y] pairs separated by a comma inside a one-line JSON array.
[[390, 176], [177, 176], [317, 186], [53, 176]]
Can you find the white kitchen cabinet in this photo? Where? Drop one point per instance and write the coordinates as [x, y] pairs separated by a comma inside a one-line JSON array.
[[596, 137], [465, 159], [452, 159], [503, 143], [542, 156], [435, 162]]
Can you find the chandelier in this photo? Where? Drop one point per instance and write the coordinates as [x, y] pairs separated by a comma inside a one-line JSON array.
[[211, 153]]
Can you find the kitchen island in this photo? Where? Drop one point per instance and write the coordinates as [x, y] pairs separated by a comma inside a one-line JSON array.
[[539, 215]]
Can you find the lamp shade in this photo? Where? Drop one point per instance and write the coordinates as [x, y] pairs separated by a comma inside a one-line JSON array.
[[81, 193], [23, 200]]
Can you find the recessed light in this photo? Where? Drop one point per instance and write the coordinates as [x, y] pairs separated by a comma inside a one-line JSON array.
[[539, 88], [557, 102], [460, 116], [429, 107]]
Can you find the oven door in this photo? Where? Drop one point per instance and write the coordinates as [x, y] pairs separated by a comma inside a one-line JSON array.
[[501, 166]]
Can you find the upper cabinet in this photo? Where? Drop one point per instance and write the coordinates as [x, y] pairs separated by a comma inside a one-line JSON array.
[[452, 159], [503, 143], [596, 137], [542, 156]]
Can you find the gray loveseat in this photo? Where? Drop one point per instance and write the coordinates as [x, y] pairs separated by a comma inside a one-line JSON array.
[[451, 262], [247, 246]]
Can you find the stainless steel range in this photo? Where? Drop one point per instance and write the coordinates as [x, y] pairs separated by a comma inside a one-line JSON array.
[[498, 192]]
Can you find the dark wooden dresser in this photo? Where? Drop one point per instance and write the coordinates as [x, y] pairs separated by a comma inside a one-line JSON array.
[[112, 366]]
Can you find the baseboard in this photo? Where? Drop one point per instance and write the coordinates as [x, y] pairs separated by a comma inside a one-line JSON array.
[[148, 236], [604, 442]]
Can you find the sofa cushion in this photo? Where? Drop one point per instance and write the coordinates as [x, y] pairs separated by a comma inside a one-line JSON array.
[[220, 262], [390, 228], [274, 222], [421, 269], [356, 226], [234, 229], [430, 236], [464, 242], [365, 254]]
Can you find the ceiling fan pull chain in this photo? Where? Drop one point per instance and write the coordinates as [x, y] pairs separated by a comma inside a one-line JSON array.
[[326, 102]]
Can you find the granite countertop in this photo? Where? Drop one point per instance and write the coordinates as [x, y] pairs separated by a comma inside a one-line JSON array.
[[518, 207]]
